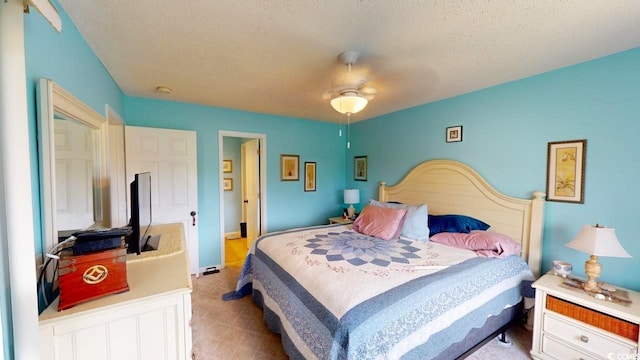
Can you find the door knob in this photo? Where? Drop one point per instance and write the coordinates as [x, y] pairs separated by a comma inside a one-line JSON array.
[[193, 218]]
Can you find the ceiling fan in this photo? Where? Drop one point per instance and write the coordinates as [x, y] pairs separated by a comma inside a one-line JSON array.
[[351, 92]]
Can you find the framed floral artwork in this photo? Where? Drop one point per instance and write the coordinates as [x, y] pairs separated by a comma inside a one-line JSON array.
[[226, 166], [360, 168], [309, 176], [227, 184], [454, 134], [289, 167], [565, 171]]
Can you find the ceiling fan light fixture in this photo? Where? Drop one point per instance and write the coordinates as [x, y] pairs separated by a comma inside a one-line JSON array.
[[349, 103]]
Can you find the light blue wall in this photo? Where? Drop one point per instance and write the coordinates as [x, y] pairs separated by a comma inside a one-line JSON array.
[[232, 199], [288, 205], [506, 131], [505, 134], [66, 59]]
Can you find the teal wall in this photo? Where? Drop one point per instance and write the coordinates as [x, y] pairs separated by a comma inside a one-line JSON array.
[[231, 148], [506, 131], [63, 56], [69, 61], [505, 134], [288, 205]]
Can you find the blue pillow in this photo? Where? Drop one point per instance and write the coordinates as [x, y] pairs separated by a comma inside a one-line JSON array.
[[455, 224], [414, 226]]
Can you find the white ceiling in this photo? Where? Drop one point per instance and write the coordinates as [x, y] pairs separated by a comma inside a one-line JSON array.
[[279, 56]]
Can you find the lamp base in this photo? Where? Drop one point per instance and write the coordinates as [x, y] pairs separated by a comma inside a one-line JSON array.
[[593, 269], [351, 211]]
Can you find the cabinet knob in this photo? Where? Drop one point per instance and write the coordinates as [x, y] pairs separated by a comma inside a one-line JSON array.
[[584, 339]]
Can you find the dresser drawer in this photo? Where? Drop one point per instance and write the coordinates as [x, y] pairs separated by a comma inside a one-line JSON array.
[[561, 351], [583, 338]]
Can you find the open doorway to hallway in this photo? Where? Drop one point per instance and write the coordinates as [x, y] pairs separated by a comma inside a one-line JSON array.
[[242, 193]]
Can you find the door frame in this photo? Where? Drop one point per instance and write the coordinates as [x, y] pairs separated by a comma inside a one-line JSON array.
[[263, 182]]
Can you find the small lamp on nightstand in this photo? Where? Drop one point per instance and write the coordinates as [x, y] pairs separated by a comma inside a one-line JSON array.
[[597, 241], [351, 196]]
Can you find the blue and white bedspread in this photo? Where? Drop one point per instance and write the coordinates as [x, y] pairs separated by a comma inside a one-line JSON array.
[[337, 294]]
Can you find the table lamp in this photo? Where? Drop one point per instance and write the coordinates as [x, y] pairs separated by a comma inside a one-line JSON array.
[[351, 196], [596, 241]]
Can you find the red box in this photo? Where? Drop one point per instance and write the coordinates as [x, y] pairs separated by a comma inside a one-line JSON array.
[[90, 276]]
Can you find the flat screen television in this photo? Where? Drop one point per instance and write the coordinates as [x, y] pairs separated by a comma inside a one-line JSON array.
[[140, 190]]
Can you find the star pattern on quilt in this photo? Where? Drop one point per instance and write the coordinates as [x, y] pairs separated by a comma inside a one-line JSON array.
[[358, 249]]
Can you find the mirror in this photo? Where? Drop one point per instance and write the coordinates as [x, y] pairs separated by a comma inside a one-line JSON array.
[[71, 146]]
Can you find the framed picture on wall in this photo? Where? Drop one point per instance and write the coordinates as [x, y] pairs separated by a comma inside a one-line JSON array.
[[454, 134], [565, 171], [360, 168], [226, 166], [227, 184], [289, 167], [309, 176]]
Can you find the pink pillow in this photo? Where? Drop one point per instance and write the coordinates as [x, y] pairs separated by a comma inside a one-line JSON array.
[[380, 222], [485, 243]]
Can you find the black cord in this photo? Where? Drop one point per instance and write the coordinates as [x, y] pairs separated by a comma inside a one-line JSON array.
[[43, 273]]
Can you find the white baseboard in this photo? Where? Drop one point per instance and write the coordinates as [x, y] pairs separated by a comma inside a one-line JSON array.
[[232, 235]]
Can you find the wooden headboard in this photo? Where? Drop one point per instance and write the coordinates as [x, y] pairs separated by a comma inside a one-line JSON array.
[[451, 187]]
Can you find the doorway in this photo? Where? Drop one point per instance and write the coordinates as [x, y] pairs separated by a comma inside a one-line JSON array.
[[242, 193]]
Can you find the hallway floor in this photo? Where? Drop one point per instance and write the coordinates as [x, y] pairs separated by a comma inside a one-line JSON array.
[[235, 250]]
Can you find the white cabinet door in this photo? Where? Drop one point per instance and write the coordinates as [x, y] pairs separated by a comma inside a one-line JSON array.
[[147, 329], [171, 157]]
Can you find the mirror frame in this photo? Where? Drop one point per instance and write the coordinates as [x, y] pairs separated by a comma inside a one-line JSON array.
[[52, 98]]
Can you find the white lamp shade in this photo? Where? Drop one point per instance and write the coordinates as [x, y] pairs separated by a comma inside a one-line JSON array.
[[351, 196], [349, 103], [598, 241]]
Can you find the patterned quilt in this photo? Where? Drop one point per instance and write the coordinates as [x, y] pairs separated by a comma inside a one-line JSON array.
[[337, 294]]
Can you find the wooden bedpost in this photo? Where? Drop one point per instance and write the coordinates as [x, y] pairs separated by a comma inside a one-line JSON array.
[[382, 194]]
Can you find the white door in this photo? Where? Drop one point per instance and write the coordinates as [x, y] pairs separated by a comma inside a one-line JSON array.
[[171, 158], [74, 175], [250, 189]]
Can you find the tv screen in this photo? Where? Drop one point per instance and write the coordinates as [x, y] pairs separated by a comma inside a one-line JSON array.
[[140, 222]]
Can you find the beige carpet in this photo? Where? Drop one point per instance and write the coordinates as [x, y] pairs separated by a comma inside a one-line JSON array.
[[234, 329]]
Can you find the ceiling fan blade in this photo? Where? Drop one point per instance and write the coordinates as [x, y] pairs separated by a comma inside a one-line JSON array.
[[329, 94]]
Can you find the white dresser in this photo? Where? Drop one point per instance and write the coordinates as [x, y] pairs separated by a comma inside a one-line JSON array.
[[150, 321], [570, 324]]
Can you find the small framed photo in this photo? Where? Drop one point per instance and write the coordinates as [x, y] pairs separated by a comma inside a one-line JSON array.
[[227, 184], [360, 168], [289, 167], [226, 166], [454, 133], [565, 171], [309, 176]]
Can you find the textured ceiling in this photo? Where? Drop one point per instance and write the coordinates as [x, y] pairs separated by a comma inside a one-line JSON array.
[[279, 56]]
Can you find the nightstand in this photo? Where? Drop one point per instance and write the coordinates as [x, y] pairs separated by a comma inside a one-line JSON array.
[[340, 220], [571, 324]]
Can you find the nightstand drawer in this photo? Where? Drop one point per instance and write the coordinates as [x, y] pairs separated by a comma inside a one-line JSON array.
[[559, 350], [594, 318], [583, 338]]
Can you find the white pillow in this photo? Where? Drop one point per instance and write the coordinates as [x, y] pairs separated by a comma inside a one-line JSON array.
[[416, 222]]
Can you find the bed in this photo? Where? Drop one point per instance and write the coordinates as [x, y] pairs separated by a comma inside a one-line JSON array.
[[334, 293]]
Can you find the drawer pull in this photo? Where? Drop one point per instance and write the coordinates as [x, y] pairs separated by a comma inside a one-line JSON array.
[[584, 339]]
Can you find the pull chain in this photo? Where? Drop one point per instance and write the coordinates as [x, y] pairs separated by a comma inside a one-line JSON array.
[[348, 130]]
